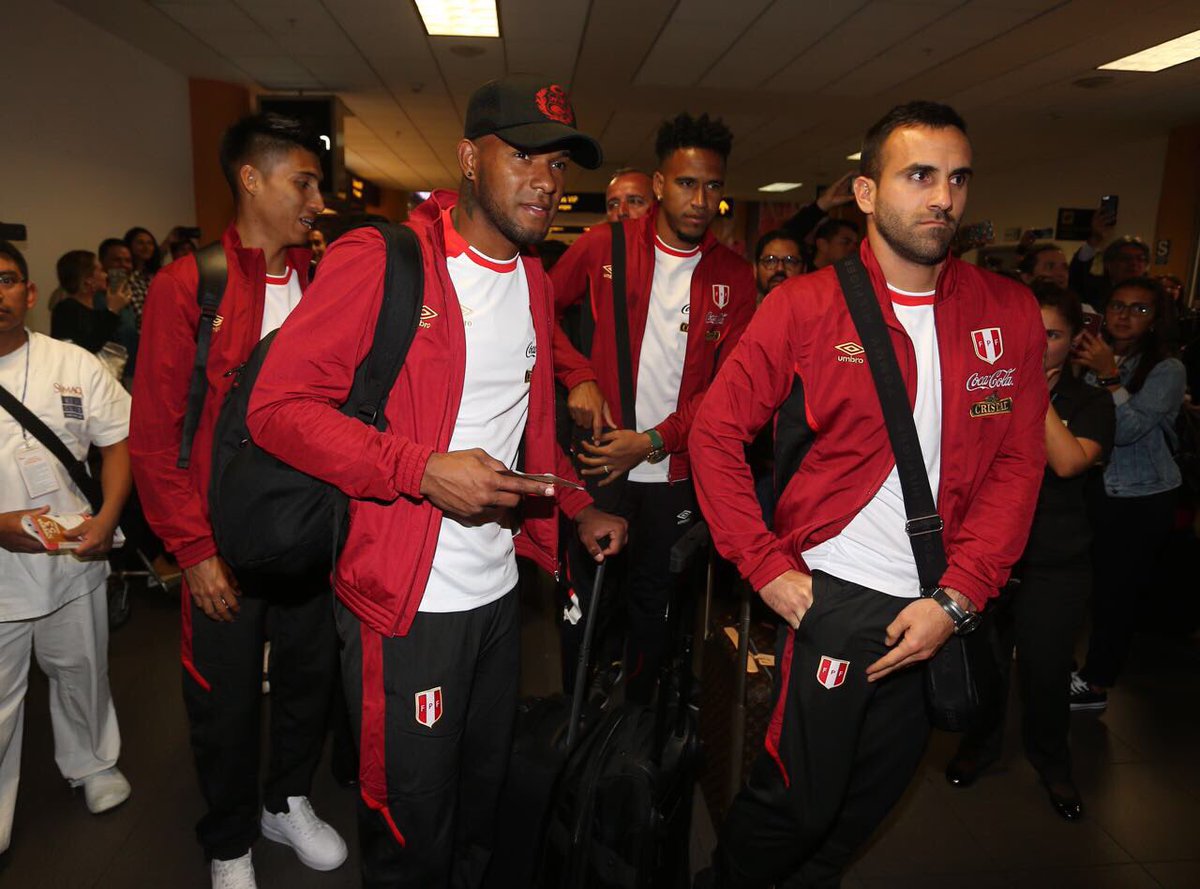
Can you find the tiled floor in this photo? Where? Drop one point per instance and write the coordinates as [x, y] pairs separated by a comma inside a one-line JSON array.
[[1137, 765]]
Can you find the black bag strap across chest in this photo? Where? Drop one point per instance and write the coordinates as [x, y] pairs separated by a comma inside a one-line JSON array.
[[627, 415], [213, 269], [924, 525]]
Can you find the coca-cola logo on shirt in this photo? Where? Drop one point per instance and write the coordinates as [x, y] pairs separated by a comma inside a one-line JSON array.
[[997, 379]]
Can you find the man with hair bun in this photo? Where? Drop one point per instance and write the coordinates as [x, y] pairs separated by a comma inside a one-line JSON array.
[[273, 168], [687, 300]]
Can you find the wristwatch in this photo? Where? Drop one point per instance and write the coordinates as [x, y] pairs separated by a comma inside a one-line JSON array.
[[658, 452], [964, 621], [1114, 380]]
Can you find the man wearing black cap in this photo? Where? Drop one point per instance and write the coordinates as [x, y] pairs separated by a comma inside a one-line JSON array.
[[426, 611]]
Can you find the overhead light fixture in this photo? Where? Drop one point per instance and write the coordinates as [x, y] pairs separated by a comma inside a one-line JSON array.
[[459, 18], [857, 156], [780, 186], [1156, 58]]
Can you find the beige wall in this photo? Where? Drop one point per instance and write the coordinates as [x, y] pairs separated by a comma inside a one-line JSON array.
[[96, 138]]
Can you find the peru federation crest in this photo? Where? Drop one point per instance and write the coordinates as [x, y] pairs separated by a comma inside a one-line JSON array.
[[831, 672], [429, 706], [988, 343]]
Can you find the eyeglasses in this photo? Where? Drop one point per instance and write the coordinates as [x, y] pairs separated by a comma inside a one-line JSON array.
[[1117, 307], [8, 280], [770, 262]]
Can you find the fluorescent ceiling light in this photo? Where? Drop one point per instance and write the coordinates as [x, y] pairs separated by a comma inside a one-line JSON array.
[[857, 156], [780, 186], [459, 18], [1156, 58]]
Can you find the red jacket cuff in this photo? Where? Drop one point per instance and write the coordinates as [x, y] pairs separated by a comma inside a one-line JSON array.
[[196, 552], [573, 378], [411, 469], [956, 579], [771, 567], [574, 502]]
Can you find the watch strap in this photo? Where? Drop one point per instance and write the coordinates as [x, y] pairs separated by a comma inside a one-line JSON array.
[[656, 440]]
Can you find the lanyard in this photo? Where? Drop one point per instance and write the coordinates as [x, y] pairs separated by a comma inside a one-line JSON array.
[[25, 386]]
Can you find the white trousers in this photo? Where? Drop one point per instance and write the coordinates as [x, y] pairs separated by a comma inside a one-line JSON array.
[[71, 647]]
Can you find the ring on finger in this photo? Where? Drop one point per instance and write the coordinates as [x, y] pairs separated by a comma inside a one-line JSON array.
[[607, 469]]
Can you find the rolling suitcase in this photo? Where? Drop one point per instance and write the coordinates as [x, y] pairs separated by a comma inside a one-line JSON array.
[[622, 811]]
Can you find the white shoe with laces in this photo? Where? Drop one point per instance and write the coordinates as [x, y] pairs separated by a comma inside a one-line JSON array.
[[237, 873], [317, 844]]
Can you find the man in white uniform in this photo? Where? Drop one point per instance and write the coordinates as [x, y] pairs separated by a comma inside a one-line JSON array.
[[54, 605]]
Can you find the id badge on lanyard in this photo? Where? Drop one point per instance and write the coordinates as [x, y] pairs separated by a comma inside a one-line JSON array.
[[37, 470]]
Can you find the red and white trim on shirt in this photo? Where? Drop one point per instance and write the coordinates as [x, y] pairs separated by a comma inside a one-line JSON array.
[[910, 298], [280, 279], [671, 251], [456, 245]]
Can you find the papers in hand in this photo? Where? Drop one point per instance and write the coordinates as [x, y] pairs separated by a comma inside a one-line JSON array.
[[50, 531], [544, 477]]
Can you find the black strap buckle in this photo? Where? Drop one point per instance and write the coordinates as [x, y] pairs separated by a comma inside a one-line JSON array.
[[926, 524]]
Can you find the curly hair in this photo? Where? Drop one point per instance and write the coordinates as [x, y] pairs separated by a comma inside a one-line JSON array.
[[685, 131]]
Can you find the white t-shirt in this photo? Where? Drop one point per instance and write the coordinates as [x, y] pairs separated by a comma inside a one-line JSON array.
[[70, 391], [283, 295], [664, 344], [475, 565], [874, 550]]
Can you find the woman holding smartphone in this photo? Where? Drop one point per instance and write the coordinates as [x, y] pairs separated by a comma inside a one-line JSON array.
[[1134, 512], [1041, 610]]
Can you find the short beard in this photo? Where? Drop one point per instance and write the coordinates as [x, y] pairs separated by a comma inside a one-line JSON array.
[[686, 238], [514, 232], [907, 245]]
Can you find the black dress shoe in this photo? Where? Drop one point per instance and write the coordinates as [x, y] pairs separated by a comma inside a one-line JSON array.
[[964, 768], [1065, 799]]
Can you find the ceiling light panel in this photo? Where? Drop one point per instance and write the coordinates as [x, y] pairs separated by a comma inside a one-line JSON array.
[[780, 186], [1157, 58], [459, 18]]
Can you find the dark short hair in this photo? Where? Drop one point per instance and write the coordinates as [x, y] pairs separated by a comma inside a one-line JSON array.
[[685, 131], [8, 251], [107, 244], [73, 267], [155, 262], [778, 234], [1029, 261], [625, 171], [259, 139], [1111, 251], [931, 115], [1062, 300], [830, 227]]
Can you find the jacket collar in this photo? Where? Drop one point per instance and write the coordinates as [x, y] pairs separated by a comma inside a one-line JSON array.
[[253, 264], [945, 286]]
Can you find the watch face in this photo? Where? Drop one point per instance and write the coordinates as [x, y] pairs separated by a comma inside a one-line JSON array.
[[656, 456]]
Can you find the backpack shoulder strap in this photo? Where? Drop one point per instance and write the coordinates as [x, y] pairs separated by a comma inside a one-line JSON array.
[[628, 411], [399, 315], [213, 269]]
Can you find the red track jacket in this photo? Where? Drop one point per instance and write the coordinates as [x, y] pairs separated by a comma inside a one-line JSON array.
[[383, 569], [802, 349], [723, 300], [176, 500]]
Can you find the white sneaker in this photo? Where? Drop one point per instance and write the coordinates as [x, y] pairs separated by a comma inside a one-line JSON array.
[[317, 844], [237, 873], [105, 790]]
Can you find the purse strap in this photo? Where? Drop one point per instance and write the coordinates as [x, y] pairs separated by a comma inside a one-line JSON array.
[[628, 414], [924, 525], [33, 424]]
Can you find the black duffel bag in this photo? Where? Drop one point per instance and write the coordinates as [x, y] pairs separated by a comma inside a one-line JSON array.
[[268, 518]]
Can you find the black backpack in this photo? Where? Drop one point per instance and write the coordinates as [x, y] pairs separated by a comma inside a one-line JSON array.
[[268, 518]]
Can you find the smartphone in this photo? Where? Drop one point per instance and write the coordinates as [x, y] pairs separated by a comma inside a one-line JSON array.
[[1108, 204], [1091, 323], [193, 233], [1041, 233], [117, 278], [977, 234], [546, 477]]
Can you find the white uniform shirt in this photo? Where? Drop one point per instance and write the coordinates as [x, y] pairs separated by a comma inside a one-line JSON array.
[[282, 295], [71, 392], [664, 344], [874, 550], [475, 565]]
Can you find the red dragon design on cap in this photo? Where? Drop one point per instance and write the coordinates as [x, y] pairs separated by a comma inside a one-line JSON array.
[[552, 101]]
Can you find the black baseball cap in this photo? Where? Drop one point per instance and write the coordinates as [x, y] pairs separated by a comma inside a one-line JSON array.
[[530, 113]]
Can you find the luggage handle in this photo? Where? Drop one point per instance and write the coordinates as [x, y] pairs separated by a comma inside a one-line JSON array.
[[585, 652]]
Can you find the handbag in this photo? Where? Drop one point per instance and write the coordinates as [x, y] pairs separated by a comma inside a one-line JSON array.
[[952, 675]]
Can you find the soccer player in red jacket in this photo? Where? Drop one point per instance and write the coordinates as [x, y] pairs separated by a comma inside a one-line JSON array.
[[849, 721]]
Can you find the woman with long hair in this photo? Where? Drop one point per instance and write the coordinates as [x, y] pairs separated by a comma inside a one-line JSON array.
[[147, 260], [1042, 609], [1133, 514]]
